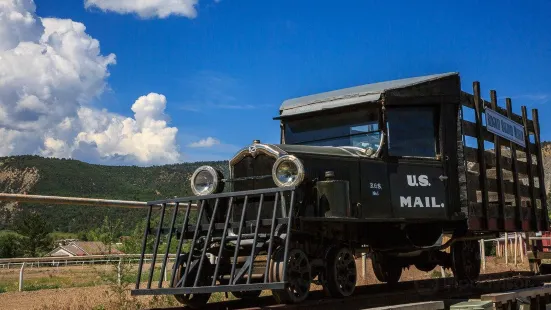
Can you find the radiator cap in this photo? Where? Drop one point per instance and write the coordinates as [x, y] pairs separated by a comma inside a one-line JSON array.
[[329, 175]]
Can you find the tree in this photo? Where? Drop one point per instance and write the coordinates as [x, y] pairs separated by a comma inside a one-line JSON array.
[[10, 245], [35, 233], [108, 232]]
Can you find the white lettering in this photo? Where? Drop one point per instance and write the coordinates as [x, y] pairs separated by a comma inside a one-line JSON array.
[[375, 186], [412, 180], [424, 180], [405, 201], [418, 202]]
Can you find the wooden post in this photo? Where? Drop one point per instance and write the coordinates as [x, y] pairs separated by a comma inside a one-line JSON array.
[[521, 247], [479, 109], [364, 263], [21, 277], [442, 272], [166, 274], [483, 253], [505, 248], [516, 247], [533, 221], [499, 171], [514, 169], [544, 217], [119, 272]]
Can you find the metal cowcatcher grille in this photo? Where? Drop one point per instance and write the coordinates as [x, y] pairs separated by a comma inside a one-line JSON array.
[[224, 242]]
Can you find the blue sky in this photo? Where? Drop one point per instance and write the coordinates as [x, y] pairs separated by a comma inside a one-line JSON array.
[[226, 71]]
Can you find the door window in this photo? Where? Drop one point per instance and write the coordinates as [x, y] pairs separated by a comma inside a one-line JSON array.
[[412, 132]]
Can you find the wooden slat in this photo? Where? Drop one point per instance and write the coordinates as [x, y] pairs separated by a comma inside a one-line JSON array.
[[541, 172], [473, 180], [529, 162], [514, 167], [468, 101], [426, 305], [471, 155], [479, 108], [470, 129], [506, 297], [499, 171]]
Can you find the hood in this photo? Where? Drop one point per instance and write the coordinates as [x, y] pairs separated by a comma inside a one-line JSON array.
[[345, 151], [278, 150]]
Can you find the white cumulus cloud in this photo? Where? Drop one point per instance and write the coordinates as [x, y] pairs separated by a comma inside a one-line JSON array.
[[207, 142], [50, 70], [146, 138], [147, 8]]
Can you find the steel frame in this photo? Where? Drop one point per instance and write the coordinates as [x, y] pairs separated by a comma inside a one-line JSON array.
[[204, 236]]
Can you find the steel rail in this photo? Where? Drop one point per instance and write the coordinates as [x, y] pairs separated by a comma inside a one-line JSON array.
[[380, 295]]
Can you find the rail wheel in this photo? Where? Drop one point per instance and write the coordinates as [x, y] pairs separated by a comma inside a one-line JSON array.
[[426, 267], [339, 279], [466, 260], [298, 272], [385, 270], [246, 294], [194, 301]]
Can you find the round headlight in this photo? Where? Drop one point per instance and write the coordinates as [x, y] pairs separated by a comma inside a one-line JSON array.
[[206, 180], [288, 171]]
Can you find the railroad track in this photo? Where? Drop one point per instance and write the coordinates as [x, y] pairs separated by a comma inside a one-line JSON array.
[[380, 295]]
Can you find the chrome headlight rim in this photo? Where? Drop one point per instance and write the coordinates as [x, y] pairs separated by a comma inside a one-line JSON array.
[[300, 171], [216, 180]]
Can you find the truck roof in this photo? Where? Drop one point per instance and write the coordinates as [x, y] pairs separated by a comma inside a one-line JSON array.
[[353, 95]]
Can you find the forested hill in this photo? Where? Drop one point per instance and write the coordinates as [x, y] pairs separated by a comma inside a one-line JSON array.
[[65, 177]]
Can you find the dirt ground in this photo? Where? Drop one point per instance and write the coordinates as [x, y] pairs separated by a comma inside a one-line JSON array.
[[113, 297]]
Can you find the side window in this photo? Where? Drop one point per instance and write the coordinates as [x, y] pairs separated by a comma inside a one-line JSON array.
[[412, 132]]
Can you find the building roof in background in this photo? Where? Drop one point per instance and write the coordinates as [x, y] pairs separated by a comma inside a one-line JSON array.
[[83, 248], [95, 247]]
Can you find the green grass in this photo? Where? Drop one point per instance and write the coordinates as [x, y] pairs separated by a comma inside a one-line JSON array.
[[37, 287]]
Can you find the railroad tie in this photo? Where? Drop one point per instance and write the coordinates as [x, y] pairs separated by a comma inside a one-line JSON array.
[[427, 305]]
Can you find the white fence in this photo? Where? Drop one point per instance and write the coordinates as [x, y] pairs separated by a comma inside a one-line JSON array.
[[38, 262], [75, 260]]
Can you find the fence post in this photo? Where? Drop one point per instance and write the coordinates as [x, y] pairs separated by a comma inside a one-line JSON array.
[[520, 247], [21, 277], [119, 272], [483, 253], [516, 248], [166, 270], [505, 248], [364, 263]]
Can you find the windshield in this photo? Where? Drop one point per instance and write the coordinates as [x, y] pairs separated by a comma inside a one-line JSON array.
[[358, 129]]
